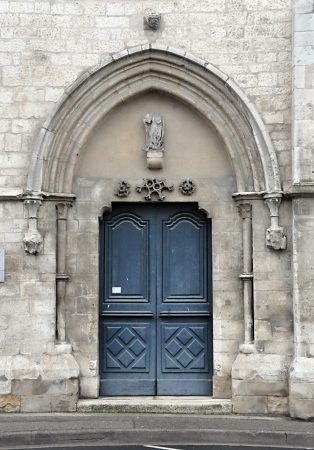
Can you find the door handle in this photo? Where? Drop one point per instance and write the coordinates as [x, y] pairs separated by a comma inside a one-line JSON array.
[[184, 314], [126, 314]]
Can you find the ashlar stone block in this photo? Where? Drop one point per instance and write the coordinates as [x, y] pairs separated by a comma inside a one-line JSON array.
[[249, 404], [261, 367], [59, 367], [5, 387], [260, 387], [301, 386], [23, 367], [89, 387], [278, 405], [10, 403]]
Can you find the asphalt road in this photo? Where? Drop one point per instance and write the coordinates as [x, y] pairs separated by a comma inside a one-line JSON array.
[[162, 447], [56, 431]]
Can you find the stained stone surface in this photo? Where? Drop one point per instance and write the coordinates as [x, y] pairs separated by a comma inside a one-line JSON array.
[[47, 50]]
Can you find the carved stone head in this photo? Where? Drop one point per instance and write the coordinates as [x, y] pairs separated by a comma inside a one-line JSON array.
[[151, 20], [32, 242], [276, 239]]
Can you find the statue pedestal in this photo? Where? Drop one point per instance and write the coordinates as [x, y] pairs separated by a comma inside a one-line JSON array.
[[154, 160]]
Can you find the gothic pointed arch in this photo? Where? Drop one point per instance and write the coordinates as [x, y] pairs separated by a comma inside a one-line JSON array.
[[131, 72]]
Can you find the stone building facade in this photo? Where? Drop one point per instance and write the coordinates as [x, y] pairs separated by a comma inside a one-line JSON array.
[[228, 89]]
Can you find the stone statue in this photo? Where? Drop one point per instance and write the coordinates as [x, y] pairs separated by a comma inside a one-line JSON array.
[[154, 128]]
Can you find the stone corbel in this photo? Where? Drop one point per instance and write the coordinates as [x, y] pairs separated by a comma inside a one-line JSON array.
[[275, 234], [151, 20], [32, 239], [61, 275]]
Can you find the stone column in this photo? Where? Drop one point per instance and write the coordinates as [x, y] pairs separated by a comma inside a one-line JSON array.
[[301, 383], [61, 276], [245, 210], [257, 378]]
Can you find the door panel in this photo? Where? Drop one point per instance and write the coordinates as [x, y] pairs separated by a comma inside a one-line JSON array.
[[185, 357], [155, 333], [183, 258], [128, 254], [128, 364]]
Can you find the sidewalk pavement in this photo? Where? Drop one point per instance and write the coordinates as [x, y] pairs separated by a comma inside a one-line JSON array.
[[53, 428]]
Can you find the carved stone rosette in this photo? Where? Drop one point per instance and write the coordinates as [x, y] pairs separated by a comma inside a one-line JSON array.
[[32, 240], [154, 187], [187, 187], [123, 189]]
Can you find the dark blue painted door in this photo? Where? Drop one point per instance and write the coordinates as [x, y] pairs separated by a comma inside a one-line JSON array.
[[155, 308]]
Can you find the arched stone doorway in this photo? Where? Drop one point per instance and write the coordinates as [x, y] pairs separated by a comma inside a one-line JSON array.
[[65, 170]]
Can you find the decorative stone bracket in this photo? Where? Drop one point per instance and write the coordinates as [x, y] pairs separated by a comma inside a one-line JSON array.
[[32, 239], [275, 235]]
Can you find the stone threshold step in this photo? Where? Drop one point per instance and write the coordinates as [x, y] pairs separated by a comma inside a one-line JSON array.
[[157, 405]]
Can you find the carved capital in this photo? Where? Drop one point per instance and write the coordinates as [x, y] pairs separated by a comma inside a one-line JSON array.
[[62, 210], [32, 206], [273, 204], [245, 210], [276, 238]]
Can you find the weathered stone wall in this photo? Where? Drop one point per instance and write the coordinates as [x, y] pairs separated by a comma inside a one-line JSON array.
[[44, 47], [33, 375], [302, 369]]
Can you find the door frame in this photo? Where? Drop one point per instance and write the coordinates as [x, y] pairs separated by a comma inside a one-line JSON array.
[[107, 211]]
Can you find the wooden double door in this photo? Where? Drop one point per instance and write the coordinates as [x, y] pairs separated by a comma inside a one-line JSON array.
[[155, 305]]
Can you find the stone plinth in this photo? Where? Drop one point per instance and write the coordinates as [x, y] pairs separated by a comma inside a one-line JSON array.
[[47, 384], [260, 384], [301, 387]]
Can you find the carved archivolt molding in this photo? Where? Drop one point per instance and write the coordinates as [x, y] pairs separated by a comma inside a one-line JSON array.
[[155, 67], [139, 70]]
